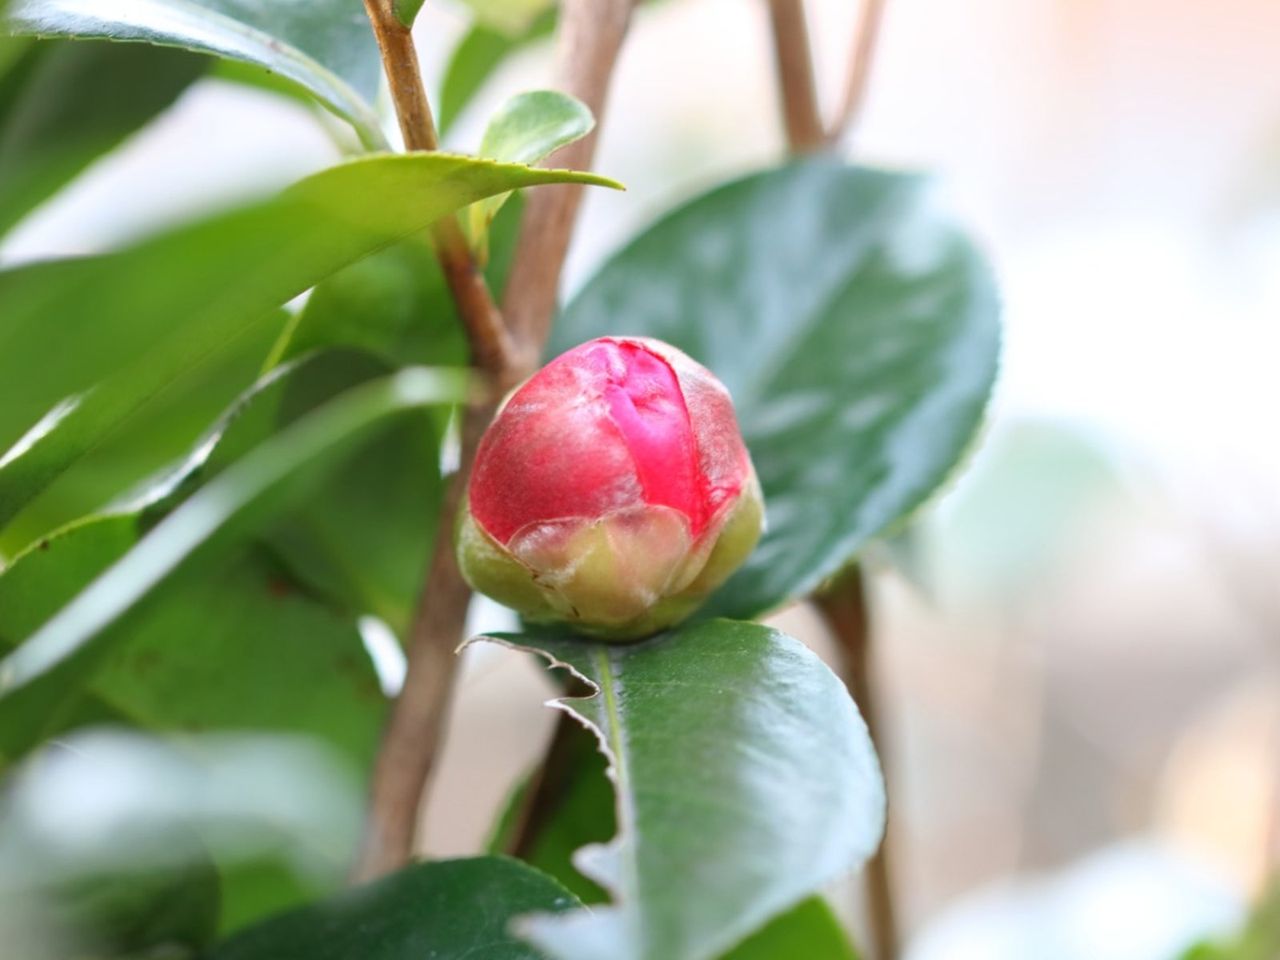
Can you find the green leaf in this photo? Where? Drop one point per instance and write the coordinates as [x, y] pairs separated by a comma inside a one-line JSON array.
[[526, 129], [178, 662], [395, 304], [580, 812], [181, 664], [475, 59], [37, 678], [857, 332], [450, 910], [63, 105], [810, 930], [132, 324], [1260, 939], [363, 538], [745, 782], [113, 471], [407, 10], [533, 125], [362, 535], [510, 16], [326, 46]]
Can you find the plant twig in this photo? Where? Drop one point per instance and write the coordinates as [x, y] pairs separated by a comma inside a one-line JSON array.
[[404, 76], [843, 606], [590, 37], [865, 34], [794, 61], [545, 788], [492, 348], [415, 730], [414, 733]]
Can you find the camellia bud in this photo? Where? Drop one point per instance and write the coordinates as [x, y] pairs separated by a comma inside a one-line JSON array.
[[612, 492]]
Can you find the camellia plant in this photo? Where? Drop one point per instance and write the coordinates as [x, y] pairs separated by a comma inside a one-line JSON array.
[[218, 495]]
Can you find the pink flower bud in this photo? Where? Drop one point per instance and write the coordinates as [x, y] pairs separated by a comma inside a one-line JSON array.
[[613, 491]]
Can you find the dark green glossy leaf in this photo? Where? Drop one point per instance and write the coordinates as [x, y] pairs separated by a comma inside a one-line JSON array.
[[239, 647], [229, 645], [326, 46], [579, 811], [858, 335], [363, 537], [63, 105], [394, 304], [116, 469], [745, 782], [361, 534], [132, 324], [478, 55], [55, 661], [449, 910]]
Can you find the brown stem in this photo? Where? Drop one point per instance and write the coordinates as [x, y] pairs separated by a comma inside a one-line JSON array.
[[492, 348], [415, 730], [547, 785], [404, 76], [794, 61], [865, 35], [844, 608], [416, 726], [589, 44], [590, 37]]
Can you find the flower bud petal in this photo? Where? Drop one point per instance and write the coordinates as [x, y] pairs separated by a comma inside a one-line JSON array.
[[612, 491]]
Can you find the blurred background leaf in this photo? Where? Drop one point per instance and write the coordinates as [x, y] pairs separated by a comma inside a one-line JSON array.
[[476, 58], [47, 670], [155, 818], [65, 104], [1260, 939], [451, 908], [512, 17], [809, 930]]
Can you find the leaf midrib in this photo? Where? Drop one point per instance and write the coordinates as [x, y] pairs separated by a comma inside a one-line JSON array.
[[627, 841]]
